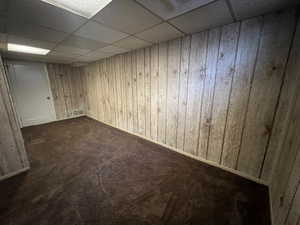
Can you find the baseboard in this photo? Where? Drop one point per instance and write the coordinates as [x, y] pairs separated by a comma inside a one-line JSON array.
[[14, 173], [236, 172], [71, 117], [56, 120]]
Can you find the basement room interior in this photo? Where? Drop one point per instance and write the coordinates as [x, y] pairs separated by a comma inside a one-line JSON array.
[[149, 112]]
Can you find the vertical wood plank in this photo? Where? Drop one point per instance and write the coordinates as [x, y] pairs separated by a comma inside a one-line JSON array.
[[183, 90], [61, 96], [162, 91], [123, 91], [294, 213], [108, 91], [173, 91], [54, 90], [148, 92], [134, 91], [101, 92], [289, 195], [128, 90], [117, 66], [195, 88], [13, 154], [268, 77], [154, 91], [104, 91], [225, 70], [141, 91], [286, 160], [10, 160], [112, 88], [214, 37], [245, 62], [64, 79], [83, 81], [286, 104]]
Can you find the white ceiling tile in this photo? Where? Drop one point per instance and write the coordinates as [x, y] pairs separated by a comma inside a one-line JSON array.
[[159, 33], [170, 9], [95, 31], [212, 15], [71, 50], [83, 43], [25, 41], [132, 43], [54, 53], [35, 32], [245, 8], [41, 13], [127, 16], [92, 58], [113, 49], [98, 54]]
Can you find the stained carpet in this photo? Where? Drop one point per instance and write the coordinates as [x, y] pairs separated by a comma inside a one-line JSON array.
[[87, 173]]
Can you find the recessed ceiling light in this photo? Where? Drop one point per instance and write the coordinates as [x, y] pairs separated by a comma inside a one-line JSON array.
[[27, 49], [85, 8]]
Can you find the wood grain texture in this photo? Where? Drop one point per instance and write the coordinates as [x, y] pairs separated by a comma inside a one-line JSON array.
[[162, 91], [154, 91], [195, 88], [282, 164], [13, 157], [173, 91], [68, 86], [268, 76], [225, 70], [148, 92], [183, 87], [213, 94], [285, 106], [213, 45], [237, 108], [141, 100]]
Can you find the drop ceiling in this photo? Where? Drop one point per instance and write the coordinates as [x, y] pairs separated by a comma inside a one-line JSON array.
[[121, 26]]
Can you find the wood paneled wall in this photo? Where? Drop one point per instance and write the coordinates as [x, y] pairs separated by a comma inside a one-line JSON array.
[[213, 94], [13, 157], [285, 185], [228, 95], [68, 90]]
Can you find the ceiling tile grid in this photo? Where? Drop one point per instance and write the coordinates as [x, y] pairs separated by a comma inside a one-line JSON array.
[[113, 49], [244, 8], [121, 26], [83, 43], [95, 31], [71, 50], [43, 14], [94, 55], [131, 43], [168, 9], [209, 16], [160, 33], [127, 16]]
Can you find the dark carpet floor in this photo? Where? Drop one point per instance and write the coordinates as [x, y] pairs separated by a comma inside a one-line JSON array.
[[87, 173]]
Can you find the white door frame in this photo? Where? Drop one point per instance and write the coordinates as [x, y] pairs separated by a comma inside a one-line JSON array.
[[12, 77]]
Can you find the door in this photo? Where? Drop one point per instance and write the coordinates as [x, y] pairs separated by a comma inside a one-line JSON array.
[[31, 92]]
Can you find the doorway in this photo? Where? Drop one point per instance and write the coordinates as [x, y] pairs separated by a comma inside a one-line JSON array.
[[31, 93]]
